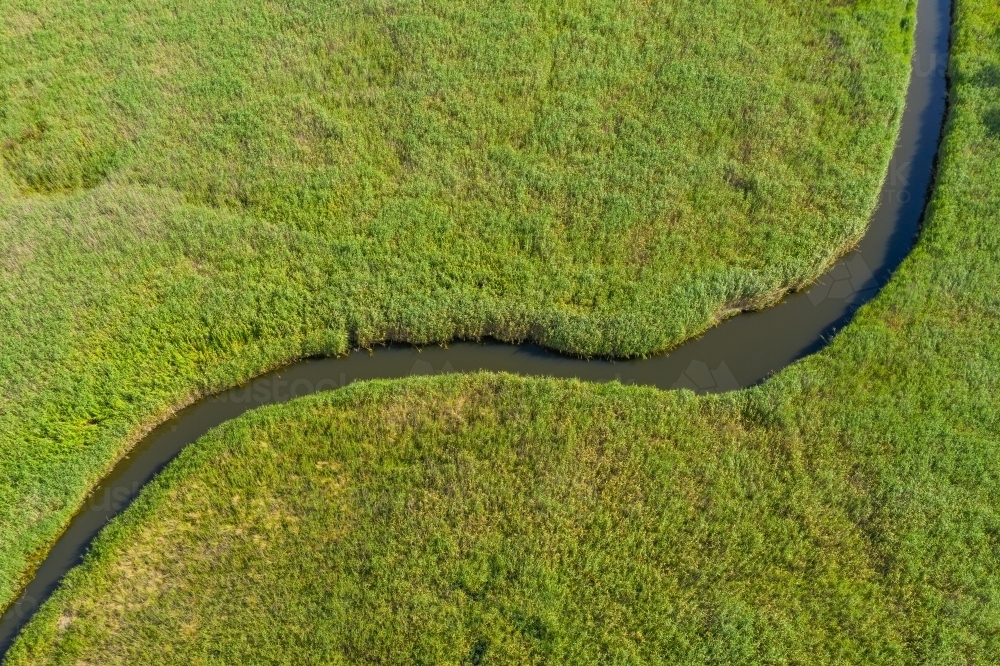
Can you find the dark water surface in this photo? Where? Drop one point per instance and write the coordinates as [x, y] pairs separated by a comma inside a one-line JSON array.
[[740, 352]]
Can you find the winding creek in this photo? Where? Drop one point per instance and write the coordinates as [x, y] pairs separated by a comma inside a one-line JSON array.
[[740, 352]]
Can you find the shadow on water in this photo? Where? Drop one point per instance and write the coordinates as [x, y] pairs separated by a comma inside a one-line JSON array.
[[907, 188], [740, 352]]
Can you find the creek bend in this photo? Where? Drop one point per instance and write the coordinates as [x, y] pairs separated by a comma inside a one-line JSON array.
[[741, 351]]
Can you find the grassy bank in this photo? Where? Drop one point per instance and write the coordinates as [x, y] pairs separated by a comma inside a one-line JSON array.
[[845, 512], [191, 193], [480, 519]]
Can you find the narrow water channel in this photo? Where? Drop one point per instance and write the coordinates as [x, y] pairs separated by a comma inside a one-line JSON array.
[[740, 352]]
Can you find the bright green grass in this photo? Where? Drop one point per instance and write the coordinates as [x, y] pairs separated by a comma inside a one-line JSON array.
[[193, 192], [847, 511], [575, 165], [523, 521]]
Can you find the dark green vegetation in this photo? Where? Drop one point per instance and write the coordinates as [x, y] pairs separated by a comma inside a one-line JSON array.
[[847, 511], [193, 192]]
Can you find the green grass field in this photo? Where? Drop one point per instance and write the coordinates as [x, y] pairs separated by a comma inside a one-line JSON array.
[[847, 511], [194, 192], [605, 177]]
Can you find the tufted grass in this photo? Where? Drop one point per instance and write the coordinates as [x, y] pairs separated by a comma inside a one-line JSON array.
[[194, 192], [846, 511]]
